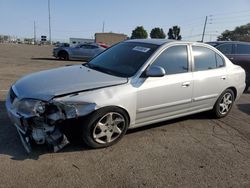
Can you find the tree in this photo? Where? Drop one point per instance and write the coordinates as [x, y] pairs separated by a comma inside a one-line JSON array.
[[174, 33], [139, 33], [241, 33], [157, 33]]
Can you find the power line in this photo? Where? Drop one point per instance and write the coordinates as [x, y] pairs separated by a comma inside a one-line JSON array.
[[231, 21], [230, 13], [229, 17]]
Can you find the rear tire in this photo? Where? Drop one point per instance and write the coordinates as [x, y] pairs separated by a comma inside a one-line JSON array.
[[224, 103], [105, 127], [246, 88]]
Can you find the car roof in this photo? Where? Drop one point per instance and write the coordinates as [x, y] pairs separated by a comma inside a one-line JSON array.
[[224, 42], [161, 41], [151, 41]]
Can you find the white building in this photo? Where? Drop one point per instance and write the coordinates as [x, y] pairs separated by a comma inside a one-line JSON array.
[[76, 41]]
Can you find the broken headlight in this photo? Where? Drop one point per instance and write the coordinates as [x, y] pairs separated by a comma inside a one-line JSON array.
[[29, 107], [76, 109]]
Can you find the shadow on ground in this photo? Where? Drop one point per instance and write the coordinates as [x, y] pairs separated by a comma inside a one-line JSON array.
[[10, 143], [244, 108]]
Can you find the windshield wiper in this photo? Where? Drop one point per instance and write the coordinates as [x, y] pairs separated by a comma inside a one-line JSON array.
[[104, 70], [100, 69], [85, 64]]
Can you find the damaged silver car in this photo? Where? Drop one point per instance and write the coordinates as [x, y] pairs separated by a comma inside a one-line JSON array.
[[134, 83]]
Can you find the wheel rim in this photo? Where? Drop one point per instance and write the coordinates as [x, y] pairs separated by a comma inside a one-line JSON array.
[[109, 128], [226, 103]]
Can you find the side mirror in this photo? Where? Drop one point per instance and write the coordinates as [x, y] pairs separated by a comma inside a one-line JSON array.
[[155, 71]]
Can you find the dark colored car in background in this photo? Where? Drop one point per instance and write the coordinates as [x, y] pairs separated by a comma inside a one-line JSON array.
[[238, 53]]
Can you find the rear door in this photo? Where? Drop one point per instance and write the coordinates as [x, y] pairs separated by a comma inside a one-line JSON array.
[[95, 50], [81, 52], [85, 51], [242, 58], [210, 77]]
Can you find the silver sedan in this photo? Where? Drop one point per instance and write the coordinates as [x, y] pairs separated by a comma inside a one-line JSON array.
[[132, 84], [79, 52]]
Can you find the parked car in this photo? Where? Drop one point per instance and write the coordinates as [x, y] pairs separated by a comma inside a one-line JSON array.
[[62, 45], [238, 53], [131, 84], [80, 52]]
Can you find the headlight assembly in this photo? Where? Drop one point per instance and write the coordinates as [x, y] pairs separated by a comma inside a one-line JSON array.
[[75, 109], [54, 110], [29, 107]]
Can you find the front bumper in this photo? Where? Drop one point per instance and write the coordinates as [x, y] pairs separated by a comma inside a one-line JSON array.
[[19, 123], [28, 131]]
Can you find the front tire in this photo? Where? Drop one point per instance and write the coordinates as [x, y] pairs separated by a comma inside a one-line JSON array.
[[105, 127], [224, 103], [63, 55]]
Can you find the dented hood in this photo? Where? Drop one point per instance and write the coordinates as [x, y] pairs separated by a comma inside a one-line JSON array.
[[45, 85]]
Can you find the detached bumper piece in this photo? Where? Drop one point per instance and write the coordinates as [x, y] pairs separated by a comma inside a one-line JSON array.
[[25, 139]]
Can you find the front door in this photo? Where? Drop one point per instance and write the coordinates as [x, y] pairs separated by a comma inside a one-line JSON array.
[[158, 98]]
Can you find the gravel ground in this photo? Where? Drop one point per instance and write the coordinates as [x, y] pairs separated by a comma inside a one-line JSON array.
[[194, 151]]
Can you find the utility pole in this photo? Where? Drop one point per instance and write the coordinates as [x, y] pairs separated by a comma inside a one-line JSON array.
[[34, 32], [49, 22], [204, 29], [103, 26]]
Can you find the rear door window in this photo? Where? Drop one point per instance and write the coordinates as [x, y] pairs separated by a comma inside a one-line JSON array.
[[83, 46], [243, 49], [226, 48]]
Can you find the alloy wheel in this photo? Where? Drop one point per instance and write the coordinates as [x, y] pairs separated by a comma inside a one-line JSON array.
[[226, 103], [109, 128]]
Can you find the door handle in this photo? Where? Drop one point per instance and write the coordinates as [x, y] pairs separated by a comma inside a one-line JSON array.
[[223, 77], [185, 84]]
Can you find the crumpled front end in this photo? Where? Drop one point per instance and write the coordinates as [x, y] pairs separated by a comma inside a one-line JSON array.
[[40, 121]]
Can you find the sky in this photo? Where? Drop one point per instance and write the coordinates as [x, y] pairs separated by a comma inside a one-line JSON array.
[[83, 18]]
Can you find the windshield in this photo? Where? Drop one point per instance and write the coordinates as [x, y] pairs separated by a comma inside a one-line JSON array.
[[123, 59]]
